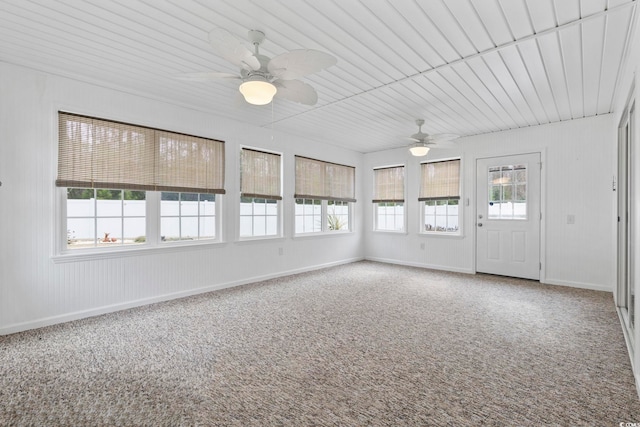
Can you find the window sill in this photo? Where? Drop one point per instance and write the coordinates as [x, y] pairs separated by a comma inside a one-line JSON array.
[[401, 232], [97, 254], [445, 235], [322, 234], [255, 239]]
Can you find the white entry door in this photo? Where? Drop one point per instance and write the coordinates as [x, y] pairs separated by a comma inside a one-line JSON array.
[[508, 216]]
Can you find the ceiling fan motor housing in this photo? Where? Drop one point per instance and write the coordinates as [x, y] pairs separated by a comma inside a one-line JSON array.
[[256, 37]]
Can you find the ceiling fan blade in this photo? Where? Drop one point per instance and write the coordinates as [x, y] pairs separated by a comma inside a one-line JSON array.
[[441, 144], [442, 140], [206, 76], [230, 48], [296, 91], [443, 137], [419, 137], [425, 137], [299, 63]]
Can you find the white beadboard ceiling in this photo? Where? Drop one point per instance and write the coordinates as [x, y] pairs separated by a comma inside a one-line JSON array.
[[466, 66]]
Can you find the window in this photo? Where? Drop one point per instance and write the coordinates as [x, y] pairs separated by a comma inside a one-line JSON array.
[[261, 189], [388, 199], [337, 215], [308, 215], [258, 217], [316, 215], [118, 176], [105, 218], [439, 196], [507, 192], [441, 215], [187, 216], [323, 197], [389, 216]]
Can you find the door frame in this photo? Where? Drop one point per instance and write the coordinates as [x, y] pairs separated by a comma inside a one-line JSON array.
[[626, 250], [473, 219]]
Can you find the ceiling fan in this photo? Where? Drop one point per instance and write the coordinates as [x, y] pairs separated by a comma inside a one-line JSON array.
[[424, 142], [263, 77]]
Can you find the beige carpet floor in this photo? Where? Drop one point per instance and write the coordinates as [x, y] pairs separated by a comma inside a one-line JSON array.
[[355, 345]]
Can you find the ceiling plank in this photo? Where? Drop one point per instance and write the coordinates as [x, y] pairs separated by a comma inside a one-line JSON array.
[[613, 46], [551, 52], [523, 80], [530, 54], [593, 33], [571, 51], [517, 17]]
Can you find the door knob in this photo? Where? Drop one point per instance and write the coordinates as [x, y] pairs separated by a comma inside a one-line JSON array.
[[479, 224]]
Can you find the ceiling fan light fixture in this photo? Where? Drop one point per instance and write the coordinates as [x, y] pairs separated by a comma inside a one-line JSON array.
[[419, 149], [258, 91]]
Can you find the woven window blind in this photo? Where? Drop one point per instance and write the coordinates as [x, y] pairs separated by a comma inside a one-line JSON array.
[[260, 174], [316, 179], [388, 184], [96, 153], [440, 180]]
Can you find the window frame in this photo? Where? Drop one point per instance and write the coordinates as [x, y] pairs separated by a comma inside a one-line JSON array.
[[513, 186], [377, 204], [421, 225], [376, 217], [61, 253], [321, 189], [458, 232], [117, 239], [349, 228], [324, 218], [182, 241], [297, 216], [153, 239], [279, 234]]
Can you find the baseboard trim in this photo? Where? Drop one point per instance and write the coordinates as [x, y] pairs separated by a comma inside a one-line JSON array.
[[421, 265], [547, 281], [83, 314], [581, 285]]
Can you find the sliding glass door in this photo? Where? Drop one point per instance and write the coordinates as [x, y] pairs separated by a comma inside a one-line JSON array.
[[626, 223]]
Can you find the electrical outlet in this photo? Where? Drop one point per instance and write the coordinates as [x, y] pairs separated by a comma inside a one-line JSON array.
[[280, 251], [571, 219], [422, 246]]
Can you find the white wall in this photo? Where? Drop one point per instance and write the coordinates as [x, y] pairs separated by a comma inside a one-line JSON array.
[[577, 176], [37, 288]]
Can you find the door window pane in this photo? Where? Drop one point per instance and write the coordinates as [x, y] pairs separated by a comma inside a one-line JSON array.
[[507, 192]]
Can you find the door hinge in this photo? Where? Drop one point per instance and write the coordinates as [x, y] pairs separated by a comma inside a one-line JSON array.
[[540, 266], [540, 216]]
